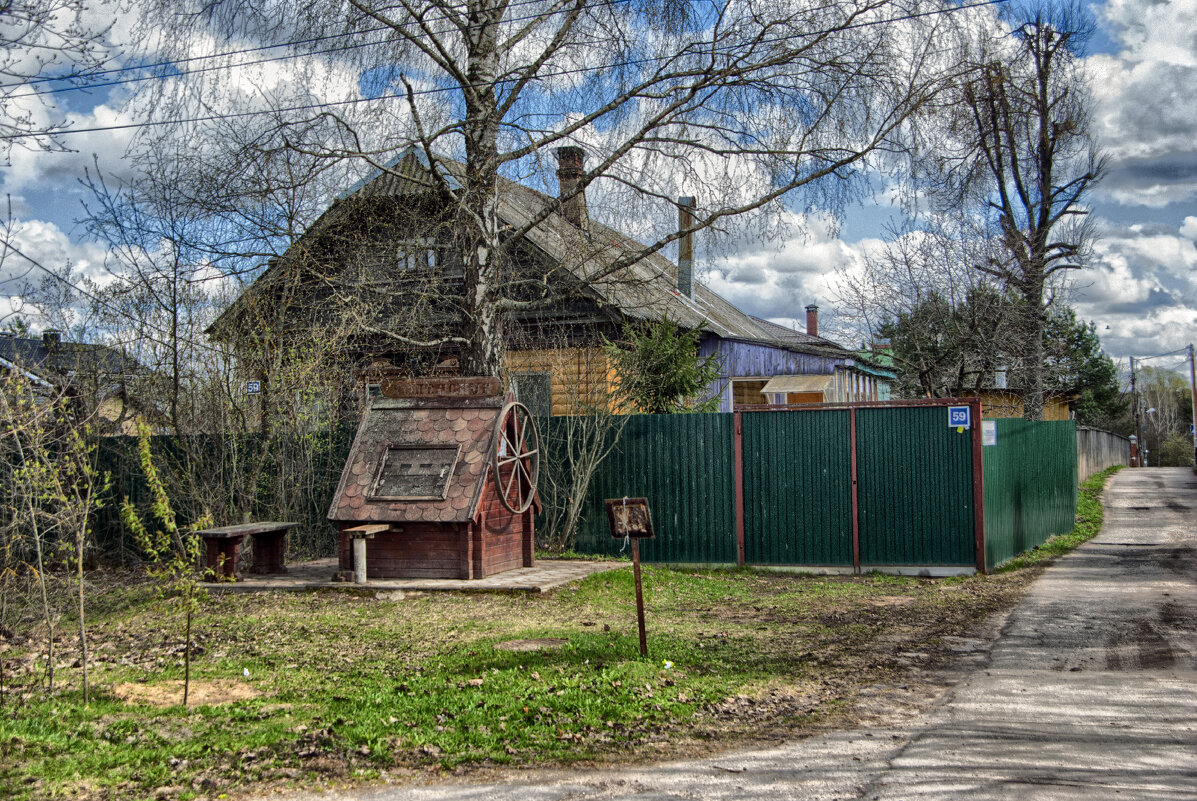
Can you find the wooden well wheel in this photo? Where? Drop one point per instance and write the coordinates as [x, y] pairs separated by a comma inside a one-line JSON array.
[[515, 457]]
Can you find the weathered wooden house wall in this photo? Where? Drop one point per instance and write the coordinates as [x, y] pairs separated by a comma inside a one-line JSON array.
[[757, 361]]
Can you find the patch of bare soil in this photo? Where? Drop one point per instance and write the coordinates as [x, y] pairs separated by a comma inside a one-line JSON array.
[[531, 645], [170, 693]]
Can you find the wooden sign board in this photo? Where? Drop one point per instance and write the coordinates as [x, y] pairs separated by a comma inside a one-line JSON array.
[[429, 388], [629, 517]]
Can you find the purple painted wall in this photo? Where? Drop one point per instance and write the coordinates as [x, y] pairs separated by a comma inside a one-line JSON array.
[[751, 360]]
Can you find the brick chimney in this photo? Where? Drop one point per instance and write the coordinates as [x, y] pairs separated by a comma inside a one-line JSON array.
[[51, 339], [570, 166], [812, 320], [685, 247]]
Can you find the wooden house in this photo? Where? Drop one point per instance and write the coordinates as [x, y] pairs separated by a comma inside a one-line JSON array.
[[390, 231], [93, 380], [1003, 402]]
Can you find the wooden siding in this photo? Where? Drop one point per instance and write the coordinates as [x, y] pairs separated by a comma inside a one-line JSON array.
[[998, 403], [748, 393], [580, 377], [757, 361]]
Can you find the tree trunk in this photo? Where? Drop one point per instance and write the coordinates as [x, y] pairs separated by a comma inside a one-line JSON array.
[[82, 623], [187, 657], [1035, 354], [477, 224]]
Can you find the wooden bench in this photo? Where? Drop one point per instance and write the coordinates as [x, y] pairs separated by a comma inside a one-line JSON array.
[[223, 545], [360, 534]]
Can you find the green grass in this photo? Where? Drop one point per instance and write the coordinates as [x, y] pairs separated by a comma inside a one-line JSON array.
[[343, 687], [352, 688], [1089, 517]]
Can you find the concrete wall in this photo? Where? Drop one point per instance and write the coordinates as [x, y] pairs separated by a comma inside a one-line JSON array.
[[1096, 450]]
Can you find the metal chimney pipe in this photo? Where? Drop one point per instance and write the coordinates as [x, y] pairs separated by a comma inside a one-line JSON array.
[[812, 320], [685, 247]]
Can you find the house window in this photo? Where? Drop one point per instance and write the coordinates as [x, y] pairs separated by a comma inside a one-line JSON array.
[[534, 390], [415, 254]]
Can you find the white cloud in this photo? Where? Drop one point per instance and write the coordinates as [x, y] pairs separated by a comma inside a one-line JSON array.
[[1189, 228], [1146, 101], [34, 243], [778, 281], [1141, 290]]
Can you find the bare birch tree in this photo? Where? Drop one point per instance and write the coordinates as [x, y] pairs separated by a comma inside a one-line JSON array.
[[748, 104]]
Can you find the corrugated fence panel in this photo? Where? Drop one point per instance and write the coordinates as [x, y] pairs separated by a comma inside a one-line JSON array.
[[797, 488], [1030, 486], [684, 465], [915, 488]]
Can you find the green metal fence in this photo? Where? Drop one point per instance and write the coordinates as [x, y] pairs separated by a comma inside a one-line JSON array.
[[797, 488], [915, 485], [683, 464], [1030, 486], [913, 493]]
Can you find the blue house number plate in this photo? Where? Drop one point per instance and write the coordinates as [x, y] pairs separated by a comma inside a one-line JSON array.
[[958, 417]]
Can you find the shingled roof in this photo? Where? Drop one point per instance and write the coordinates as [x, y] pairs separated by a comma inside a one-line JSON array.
[[645, 290], [466, 428], [50, 360]]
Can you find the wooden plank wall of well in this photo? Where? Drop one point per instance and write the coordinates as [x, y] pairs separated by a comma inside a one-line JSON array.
[[580, 377]]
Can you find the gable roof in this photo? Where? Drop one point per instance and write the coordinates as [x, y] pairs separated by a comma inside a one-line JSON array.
[[803, 341], [54, 363], [645, 290]]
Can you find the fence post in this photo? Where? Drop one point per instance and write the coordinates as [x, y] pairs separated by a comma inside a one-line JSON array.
[[855, 491], [738, 439], [978, 486]]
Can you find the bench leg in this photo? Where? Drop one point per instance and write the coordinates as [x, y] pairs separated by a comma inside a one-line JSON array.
[[359, 560]]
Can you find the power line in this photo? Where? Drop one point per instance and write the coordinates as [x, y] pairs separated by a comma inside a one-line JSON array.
[[1184, 350], [241, 52], [286, 57], [441, 90], [96, 299]]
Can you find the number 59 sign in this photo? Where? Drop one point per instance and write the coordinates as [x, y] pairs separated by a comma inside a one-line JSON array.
[[959, 417]]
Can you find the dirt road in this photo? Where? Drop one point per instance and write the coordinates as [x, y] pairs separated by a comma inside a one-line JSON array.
[[1089, 693]]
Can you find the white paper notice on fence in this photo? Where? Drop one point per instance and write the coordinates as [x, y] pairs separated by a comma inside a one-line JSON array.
[[988, 432]]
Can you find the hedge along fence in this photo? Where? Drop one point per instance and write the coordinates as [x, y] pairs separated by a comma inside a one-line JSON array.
[[214, 473], [1030, 486]]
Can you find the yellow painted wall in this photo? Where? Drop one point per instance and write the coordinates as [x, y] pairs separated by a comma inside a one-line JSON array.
[[1000, 403], [580, 378]]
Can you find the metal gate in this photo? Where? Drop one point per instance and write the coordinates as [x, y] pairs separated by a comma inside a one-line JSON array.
[[870, 485]]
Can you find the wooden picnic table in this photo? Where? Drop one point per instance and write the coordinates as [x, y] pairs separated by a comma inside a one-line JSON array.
[[269, 541]]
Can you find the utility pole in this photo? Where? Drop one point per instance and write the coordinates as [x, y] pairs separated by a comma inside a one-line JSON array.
[[1135, 402], [1193, 399]]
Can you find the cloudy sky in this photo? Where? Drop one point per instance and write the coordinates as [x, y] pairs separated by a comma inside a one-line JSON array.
[[1140, 289]]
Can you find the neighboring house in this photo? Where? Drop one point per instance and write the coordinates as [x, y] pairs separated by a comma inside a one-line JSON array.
[[1008, 403], [94, 378], [388, 230]]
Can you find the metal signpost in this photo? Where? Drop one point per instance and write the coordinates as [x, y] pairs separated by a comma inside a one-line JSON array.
[[629, 519]]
